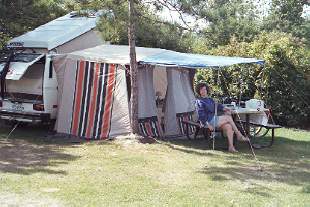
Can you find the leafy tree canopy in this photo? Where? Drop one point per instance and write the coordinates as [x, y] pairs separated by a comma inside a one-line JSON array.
[[286, 16], [18, 17], [151, 31], [225, 18]]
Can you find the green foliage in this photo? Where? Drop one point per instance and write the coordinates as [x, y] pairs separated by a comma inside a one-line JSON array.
[[113, 27], [150, 30], [18, 17], [283, 83], [3, 39], [286, 16], [303, 31], [231, 18], [288, 81], [226, 19]]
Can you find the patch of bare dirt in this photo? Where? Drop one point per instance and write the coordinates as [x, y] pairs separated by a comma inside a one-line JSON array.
[[17, 200]]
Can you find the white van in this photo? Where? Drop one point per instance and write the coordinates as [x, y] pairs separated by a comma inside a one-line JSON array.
[[28, 89]]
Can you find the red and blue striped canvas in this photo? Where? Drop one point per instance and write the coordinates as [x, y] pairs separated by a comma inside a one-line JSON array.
[[93, 100]]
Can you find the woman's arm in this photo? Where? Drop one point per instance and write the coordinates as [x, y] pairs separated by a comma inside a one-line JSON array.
[[220, 107]]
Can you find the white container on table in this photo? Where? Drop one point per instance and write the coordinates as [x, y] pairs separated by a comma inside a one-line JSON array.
[[255, 104]]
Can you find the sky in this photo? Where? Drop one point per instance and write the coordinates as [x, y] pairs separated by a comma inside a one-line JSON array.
[[306, 12]]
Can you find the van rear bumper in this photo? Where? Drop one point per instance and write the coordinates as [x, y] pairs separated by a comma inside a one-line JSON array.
[[24, 116]]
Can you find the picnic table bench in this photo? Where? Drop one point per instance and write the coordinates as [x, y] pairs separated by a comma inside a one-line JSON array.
[[267, 126]]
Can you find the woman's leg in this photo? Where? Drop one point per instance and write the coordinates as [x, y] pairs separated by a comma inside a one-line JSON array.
[[227, 129], [226, 119]]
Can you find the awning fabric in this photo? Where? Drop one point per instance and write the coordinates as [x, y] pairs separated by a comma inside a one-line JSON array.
[[171, 58], [18, 69], [119, 54]]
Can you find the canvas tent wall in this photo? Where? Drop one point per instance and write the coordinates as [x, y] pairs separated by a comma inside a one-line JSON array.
[[82, 74], [93, 102], [109, 114]]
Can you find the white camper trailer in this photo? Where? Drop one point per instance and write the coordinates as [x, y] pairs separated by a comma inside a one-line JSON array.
[[28, 81]]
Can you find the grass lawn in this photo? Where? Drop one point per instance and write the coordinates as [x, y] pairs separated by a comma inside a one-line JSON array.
[[36, 171]]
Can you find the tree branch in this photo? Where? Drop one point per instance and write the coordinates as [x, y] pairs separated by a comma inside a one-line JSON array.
[[155, 21], [171, 7]]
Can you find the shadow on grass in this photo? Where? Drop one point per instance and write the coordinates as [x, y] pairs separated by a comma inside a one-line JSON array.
[[197, 147], [259, 190], [287, 161], [28, 151]]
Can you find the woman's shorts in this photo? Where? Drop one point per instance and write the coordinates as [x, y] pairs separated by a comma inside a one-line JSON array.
[[214, 121]]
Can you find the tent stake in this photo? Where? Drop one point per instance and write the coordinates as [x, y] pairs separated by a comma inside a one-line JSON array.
[[15, 126]]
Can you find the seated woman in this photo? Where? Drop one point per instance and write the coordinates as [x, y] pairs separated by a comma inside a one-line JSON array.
[[205, 107]]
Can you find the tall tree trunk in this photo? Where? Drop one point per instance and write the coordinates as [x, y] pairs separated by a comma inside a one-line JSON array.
[[133, 68]]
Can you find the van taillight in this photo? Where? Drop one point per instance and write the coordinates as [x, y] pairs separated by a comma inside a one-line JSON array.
[[38, 107], [1, 104]]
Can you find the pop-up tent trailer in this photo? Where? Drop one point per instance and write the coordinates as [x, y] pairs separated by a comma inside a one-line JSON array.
[[29, 85], [94, 93]]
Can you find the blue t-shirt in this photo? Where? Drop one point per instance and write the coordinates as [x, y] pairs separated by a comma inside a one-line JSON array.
[[205, 109]]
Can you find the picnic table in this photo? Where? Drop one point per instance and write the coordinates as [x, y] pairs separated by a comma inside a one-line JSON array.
[[248, 115], [255, 118]]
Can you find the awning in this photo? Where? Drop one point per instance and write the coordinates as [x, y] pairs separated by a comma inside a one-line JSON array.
[[119, 54], [18, 69], [189, 60]]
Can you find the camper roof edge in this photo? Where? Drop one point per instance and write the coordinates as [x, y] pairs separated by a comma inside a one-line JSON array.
[[56, 32]]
